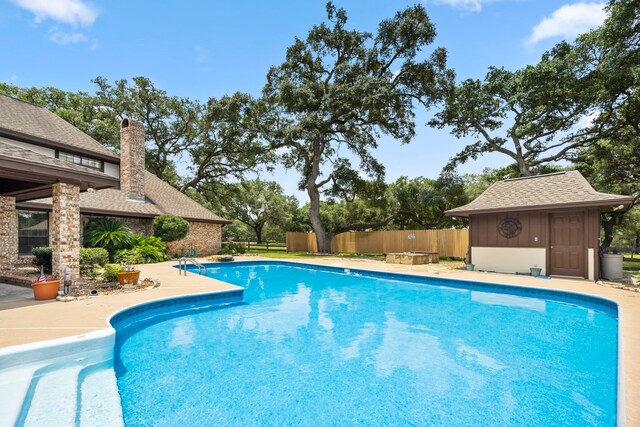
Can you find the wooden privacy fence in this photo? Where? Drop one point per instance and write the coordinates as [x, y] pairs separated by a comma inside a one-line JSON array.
[[450, 243]]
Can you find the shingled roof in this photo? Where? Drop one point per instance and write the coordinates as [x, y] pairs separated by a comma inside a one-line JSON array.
[[161, 198], [173, 202], [555, 190], [23, 121]]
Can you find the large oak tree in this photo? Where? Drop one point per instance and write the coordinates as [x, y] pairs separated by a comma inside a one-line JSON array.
[[341, 89]]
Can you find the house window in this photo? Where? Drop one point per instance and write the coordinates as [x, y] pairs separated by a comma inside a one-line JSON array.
[[80, 160], [33, 230]]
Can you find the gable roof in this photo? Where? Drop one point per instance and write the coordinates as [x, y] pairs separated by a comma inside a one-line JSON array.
[[555, 190], [23, 121], [171, 201], [160, 198]]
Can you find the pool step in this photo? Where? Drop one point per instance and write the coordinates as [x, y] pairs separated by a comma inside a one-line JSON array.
[[54, 398], [14, 385], [99, 399]]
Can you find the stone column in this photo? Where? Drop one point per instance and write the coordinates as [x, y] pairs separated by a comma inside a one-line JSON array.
[[8, 233], [64, 230]]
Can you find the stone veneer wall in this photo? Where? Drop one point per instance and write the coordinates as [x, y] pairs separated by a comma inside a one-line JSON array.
[[8, 233], [137, 225], [205, 237], [132, 158], [64, 229]]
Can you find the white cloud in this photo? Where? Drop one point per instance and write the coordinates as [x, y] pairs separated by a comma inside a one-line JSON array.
[[62, 38], [569, 21], [587, 120], [469, 5], [75, 12]]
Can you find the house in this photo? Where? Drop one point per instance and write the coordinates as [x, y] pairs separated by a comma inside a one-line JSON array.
[[547, 221], [54, 179]]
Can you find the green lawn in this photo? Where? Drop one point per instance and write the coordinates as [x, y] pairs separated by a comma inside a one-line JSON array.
[[282, 254], [279, 254], [632, 267]]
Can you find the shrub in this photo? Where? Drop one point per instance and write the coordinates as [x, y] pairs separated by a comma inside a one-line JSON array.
[[111, 272], [233, 248], [170, 227], [143, 250], [92, 257], [129, 257], [42, 258], [109, 234]]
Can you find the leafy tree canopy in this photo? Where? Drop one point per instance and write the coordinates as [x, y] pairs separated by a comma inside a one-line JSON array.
[[342, 89], [258, 203]]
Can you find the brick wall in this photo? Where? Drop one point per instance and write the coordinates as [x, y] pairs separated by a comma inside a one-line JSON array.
[[132, 158], [64, 229], [205, 237], [8, 233]]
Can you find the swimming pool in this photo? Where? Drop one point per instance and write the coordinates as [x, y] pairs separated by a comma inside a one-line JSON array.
[[313, 345]]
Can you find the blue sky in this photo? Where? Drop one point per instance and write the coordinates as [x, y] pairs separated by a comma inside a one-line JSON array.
[[199, 49]]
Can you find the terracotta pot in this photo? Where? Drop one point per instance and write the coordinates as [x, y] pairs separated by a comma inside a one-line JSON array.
[[45, 290], [129, 277]]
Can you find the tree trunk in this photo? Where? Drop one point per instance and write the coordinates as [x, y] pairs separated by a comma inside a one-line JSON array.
[[607, 226], [523, 167], [323, 237], [258, 231]]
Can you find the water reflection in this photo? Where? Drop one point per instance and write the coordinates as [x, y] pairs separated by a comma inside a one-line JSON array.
[[183, 333], [508, 300], [283, 318]]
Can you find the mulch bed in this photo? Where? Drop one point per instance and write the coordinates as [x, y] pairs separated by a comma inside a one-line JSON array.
[[80, 289]]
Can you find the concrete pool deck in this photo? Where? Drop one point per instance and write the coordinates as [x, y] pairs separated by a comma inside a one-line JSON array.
[[23, 321]]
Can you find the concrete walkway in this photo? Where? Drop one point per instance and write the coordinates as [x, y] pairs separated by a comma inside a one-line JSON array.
[[24, 321], [15, 296]]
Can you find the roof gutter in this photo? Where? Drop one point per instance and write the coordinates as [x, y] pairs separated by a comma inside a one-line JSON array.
[[627, 200]]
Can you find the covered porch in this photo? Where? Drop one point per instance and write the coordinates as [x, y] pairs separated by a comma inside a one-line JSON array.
[[26, 175]]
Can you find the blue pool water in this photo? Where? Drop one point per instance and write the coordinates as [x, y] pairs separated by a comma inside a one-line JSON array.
[[319, 347]]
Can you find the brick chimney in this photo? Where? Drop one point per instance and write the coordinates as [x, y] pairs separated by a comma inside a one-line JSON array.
[[132, 158]]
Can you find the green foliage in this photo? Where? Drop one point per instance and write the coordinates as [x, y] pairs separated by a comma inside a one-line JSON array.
[[42, 258], [257, 204], [130, 257], [422, 201], [233, 248], [143, 250], [237, 231], [107, 233], [111, 272], [92, 257], [170, 227], [530, 115]]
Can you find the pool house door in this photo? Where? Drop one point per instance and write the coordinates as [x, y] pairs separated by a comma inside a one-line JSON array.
[[566, 250]]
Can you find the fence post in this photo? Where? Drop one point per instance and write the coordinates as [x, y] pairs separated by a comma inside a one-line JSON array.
[[248, 245], [267, 246]]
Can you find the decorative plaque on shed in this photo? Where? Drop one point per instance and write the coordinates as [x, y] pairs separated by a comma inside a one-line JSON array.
[[509, 227]]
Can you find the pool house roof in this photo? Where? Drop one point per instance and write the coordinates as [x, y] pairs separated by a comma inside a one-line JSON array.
[[541, 192]]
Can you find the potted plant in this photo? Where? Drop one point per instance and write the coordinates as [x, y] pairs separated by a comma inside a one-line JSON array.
[[45, 289], [129, 275]]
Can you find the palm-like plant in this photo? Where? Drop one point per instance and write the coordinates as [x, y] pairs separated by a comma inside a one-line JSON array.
[[109, 234]]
